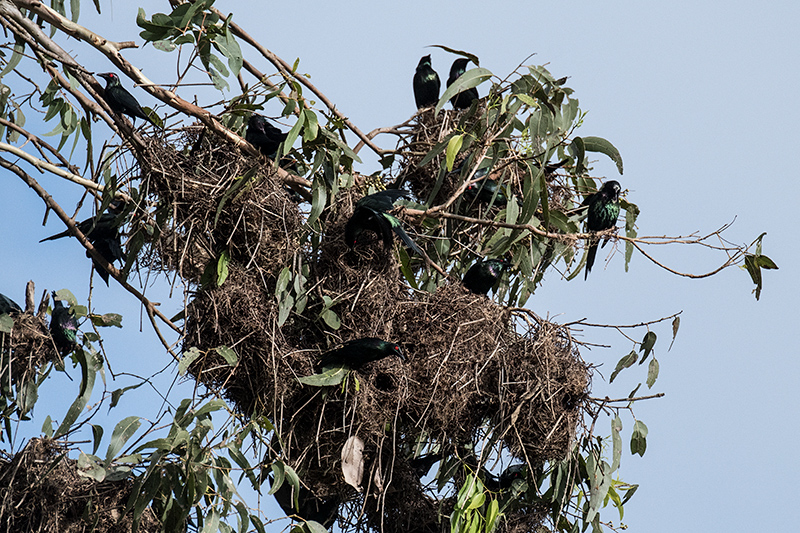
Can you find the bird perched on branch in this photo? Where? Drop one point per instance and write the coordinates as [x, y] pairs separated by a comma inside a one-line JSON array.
[[356, 353], [121, 101], [264, 136], [103, 232], [370, 215], [465, 98], [486, 189], [8, 306], [426, 84], [602, 214], [483, 275], [63, 327]]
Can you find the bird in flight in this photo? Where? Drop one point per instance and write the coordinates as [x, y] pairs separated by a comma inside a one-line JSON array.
[[602, 214], [121, 101], [426, 84]]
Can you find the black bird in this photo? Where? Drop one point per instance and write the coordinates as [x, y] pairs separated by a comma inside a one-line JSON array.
[[602, 215], [264, 136], [370, 215], [483, 275], [310, 507], [8, 306], [506, 479], [422, 464], [463, 99], [356, 353], [63, 327], [103, 232], [484, 190], [426, 84], [121, 101]]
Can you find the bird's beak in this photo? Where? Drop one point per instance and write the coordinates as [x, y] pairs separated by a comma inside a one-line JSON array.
[[402, 356]]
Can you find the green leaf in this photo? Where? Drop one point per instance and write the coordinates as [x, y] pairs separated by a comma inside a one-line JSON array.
[[164, 45], [6, 323], [19, 49], [319, 197], [330, 376], [293, 133], [647, 345], [123, 431], [652, 373], [626, 362], [277, 472], [189, 357], [88, 467], [47, 428], [639, 438], [97, 436], [598, 144], [477, 501], [436, 150], [228, 354], [468, 80], [106, 320], [492, 513], [222, 267], [616, 439], [314, 527], [89, 366], [453, 147], [331, 319], [766, 262]]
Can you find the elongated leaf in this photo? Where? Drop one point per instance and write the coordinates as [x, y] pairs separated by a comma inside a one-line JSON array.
[[639, 438], [277, 474], [647, 345], [676, 323], [616, 439], [16, 56], [468, 80], [228, 354], [89, 366], [471, 57], [291, 137], [598, 144], [578, 151], [453, 147], [189, 356], [327, 378], [652, 373], [623, 363], [89, 467], [222, 267], [319, 197], [491, 516], [123, 431], [106, 320]]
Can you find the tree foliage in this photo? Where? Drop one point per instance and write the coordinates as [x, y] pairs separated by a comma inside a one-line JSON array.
[[523, 134]]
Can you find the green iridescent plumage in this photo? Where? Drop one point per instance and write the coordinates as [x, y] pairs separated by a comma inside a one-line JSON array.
[[370, 215], [63, 327], [483, 275], [602, 214], [426, 84]]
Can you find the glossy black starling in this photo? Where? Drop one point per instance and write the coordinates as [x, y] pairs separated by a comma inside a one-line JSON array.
[[370, 215], [8, 306], [309, 507], [602, 215], [121, 101], [463, 99], [356, 353], [506, 479], [426, 84], [421, 465], [484, 190], [63, 327], [103, 233], [264, 136], [483, 275]]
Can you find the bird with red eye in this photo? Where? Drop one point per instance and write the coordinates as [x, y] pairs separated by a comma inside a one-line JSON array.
[[121, 101]]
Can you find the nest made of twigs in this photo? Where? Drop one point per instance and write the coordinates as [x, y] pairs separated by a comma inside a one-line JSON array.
[[214, 198], [27, 348], [41, 490]]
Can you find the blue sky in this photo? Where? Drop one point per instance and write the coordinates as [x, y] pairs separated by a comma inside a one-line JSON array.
[[697, 97]]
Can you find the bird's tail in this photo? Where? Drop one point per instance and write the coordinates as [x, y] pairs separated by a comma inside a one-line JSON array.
[[398, 229], [56, 236], [590, 258]]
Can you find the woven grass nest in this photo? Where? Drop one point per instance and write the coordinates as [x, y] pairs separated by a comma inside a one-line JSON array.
[[41, 490], [473, 368]]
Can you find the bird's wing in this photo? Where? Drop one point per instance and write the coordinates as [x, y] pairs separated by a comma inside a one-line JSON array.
[[397, 226]]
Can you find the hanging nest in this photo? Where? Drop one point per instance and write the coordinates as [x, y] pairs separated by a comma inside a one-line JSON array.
[[41, 490], [27, 348], [212, 198]]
